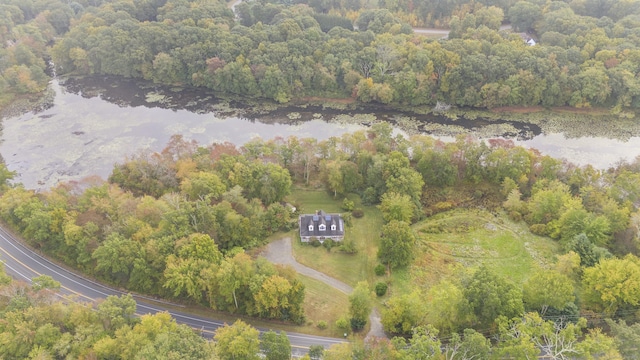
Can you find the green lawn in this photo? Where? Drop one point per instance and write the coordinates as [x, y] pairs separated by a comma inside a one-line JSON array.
[[323, 303], [474, 237], [349, 268]]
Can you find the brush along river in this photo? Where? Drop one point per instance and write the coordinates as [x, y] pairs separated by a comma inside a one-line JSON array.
[[88, 124]]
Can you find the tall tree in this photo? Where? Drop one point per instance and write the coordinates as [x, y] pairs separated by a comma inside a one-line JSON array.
[[238, 341], [612, 284], [491, 296], [360, 305], [275, 346], [547, 288], [396, 244]]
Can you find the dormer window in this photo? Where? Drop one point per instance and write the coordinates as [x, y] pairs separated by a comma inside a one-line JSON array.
[[333, 227], [310, 227], [322, 227]]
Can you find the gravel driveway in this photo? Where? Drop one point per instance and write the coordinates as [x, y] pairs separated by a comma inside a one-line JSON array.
[[279, 252]]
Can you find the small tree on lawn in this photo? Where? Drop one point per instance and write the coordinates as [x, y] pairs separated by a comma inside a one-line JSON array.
[[360, 305]]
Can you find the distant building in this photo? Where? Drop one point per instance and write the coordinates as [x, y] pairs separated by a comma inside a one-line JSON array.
[[531, 42], [321, 226]]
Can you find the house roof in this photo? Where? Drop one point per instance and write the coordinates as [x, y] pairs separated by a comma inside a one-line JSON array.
[[321, 218]]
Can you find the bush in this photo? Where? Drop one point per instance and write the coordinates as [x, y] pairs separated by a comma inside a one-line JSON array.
[[358, 324], [357, 213], [380, 270], [381, 289], [347, 205], [315, 242], [322, 325], [328, 244], [515, 215], [443, 206], [348, 246], [370, 196], [343, 324], [539, 229], [347, 218]]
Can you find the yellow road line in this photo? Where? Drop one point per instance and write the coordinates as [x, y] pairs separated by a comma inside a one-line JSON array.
[[91, 299], [38, 274]]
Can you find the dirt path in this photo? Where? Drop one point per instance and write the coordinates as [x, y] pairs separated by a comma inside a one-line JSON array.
[[279, 252]]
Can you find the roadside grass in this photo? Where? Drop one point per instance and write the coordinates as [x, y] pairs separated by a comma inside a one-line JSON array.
[[348, 268], [463, 239], [323, 303]]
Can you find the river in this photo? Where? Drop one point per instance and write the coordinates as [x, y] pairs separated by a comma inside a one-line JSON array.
[[95, 122]]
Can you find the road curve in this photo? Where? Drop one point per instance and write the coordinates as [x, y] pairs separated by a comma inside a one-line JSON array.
[[23, 264]]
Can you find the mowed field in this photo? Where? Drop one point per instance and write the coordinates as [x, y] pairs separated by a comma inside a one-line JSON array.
[[365, 232], [469, 238], [447, 243]]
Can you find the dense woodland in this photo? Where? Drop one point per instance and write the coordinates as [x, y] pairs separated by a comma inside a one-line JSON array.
[[587, 52], [37, 324], [280, 52], [176, 224]]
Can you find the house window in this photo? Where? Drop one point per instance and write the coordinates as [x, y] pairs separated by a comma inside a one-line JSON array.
[[333, 227], [322, 227], [310, 227]]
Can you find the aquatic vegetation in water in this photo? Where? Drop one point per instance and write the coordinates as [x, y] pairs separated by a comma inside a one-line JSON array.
[[408, 124], [360, 119], [155, 97]]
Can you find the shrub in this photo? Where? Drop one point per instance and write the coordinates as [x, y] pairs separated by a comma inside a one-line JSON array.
[[539, 229], [443, 206], [515, 215], [322, 325], [370, 196], [343, 324], [357, 213], [315, 242], [347, 218], [347, 205], [380, 269], [348, 246], [358, 324], [381, 288], [328, 244]]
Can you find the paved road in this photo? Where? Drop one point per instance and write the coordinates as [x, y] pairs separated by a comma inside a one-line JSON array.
[[443, 33], [24, 264]]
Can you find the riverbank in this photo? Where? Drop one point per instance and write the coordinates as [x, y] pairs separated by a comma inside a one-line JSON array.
[[19, 105], [511, 122], [98, 121]]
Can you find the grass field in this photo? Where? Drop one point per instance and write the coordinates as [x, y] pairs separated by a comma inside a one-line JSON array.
[[474, 237], [323, 303], [447, 242], [349, 268]]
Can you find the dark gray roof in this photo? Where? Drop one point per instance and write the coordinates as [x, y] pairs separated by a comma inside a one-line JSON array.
[[321, 218]]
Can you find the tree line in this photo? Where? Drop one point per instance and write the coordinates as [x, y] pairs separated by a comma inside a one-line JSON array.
[[283, 52], [37, 324], [175, 224], [585, 56], [152, 229], [142, 228]]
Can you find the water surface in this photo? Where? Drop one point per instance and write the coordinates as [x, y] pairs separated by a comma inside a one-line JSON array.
[[96, 122]]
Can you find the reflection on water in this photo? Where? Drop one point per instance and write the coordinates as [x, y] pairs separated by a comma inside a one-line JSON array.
[[96, 122]]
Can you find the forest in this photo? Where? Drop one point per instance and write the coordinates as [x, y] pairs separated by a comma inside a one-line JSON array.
[[177, 224], [586, 53], [183, 223]]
